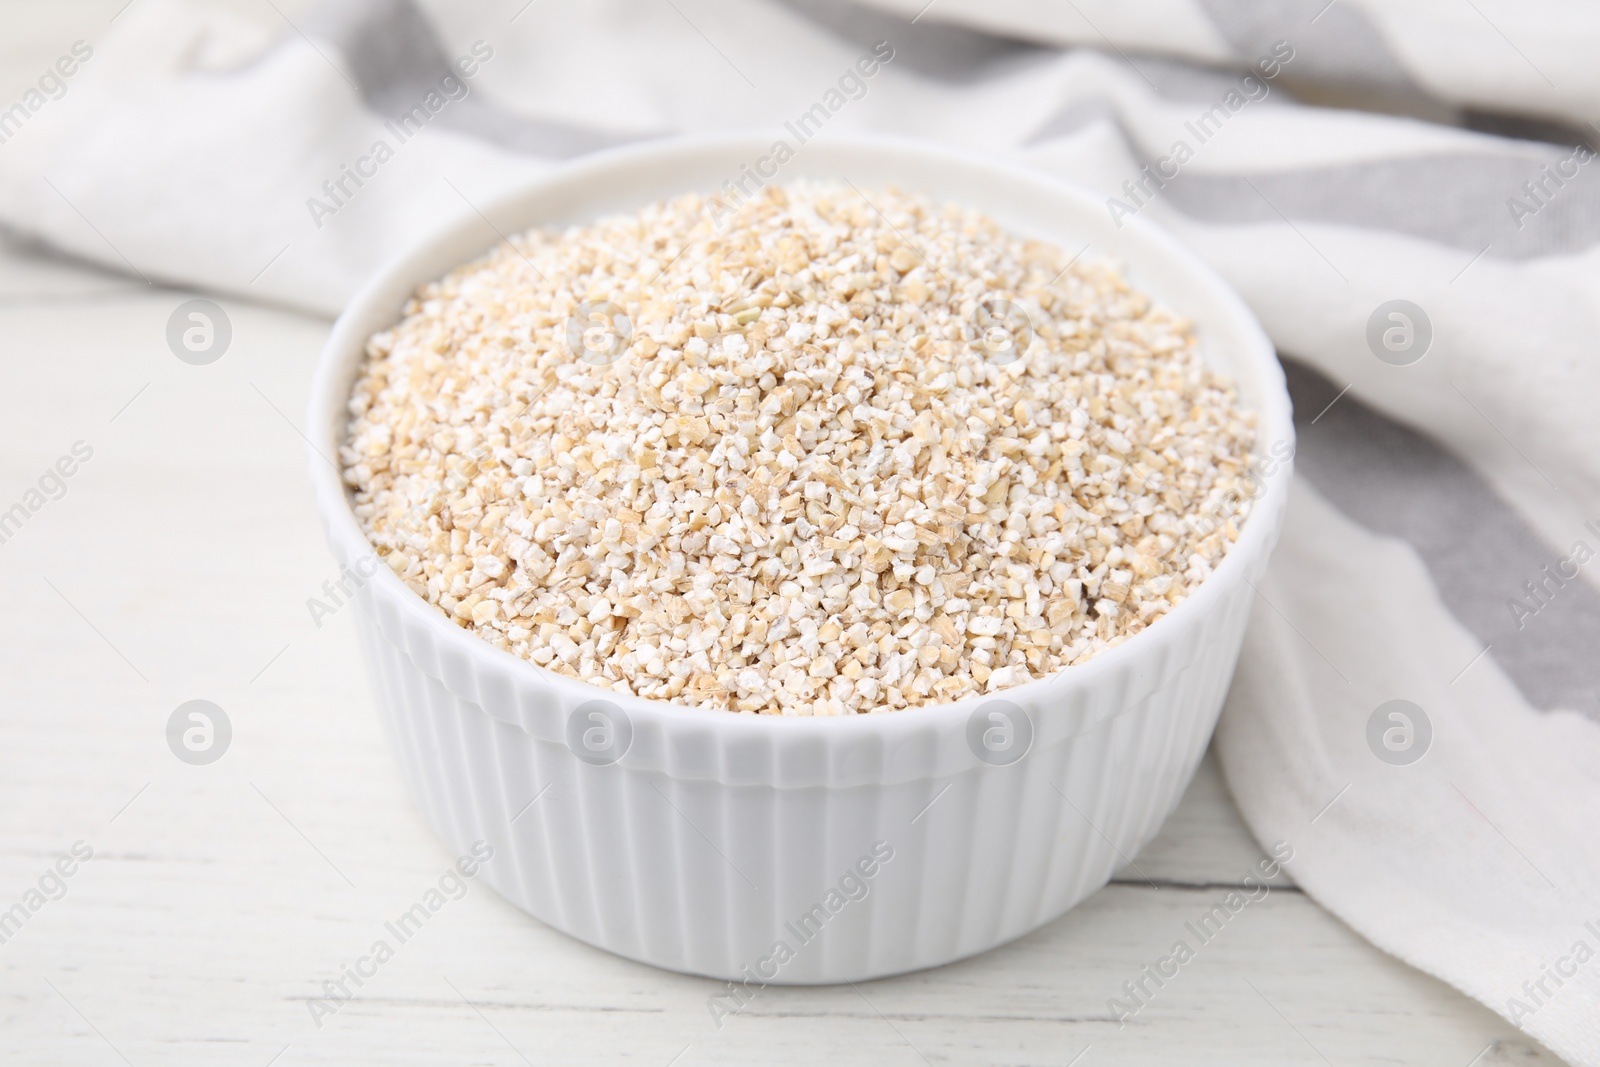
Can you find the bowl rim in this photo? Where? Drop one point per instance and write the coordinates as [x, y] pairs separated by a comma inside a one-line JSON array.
[[347, 340]]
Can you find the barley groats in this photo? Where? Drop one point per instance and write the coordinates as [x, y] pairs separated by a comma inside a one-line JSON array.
[[850, 451]]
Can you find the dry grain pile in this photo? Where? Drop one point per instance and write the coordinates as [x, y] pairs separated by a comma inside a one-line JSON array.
[[851, 452]]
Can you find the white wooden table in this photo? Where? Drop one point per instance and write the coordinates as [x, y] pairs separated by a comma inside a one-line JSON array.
[[219, 898]]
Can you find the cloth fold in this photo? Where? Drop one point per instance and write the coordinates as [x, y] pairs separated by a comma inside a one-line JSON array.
[[1476, 861], [207, 148]]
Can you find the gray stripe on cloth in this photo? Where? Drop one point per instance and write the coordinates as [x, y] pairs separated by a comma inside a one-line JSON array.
[[1343, 60], [1471, 201], [1478, 549], [929, 48], [963, 55], [1461, 200], [396, 60], [1334, 43]]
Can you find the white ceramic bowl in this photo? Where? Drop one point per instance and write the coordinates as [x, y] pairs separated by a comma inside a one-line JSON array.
[[801, 850]]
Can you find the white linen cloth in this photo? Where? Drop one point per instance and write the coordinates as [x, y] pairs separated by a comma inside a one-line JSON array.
[[192, 146]]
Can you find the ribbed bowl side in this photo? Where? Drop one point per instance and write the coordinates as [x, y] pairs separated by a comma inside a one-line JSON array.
[[710, 877]]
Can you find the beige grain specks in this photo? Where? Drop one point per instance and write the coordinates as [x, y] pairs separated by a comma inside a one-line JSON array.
[[803, 487]]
